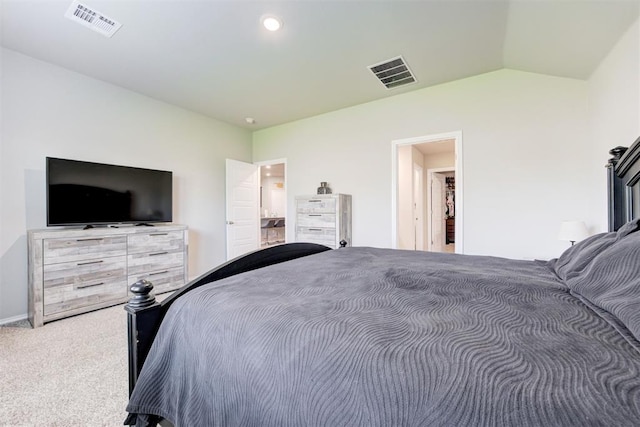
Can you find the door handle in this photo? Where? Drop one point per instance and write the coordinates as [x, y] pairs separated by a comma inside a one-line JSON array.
[[230, 223]]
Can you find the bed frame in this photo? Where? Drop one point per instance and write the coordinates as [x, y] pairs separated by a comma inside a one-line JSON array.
[[623, 173], [145, 313]]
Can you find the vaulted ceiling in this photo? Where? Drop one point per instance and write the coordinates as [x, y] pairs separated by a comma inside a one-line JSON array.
[[213, 57]]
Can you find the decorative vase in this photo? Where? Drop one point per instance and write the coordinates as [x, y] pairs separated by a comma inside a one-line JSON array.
[[323, 189]]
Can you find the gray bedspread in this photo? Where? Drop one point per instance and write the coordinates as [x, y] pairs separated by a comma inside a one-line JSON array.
[[378, 337]]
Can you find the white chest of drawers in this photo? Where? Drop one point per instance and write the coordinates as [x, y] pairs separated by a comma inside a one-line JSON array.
[[73, 271], [324, 219]]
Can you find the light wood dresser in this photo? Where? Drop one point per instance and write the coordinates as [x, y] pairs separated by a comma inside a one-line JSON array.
[[324, 219], [73, 271]]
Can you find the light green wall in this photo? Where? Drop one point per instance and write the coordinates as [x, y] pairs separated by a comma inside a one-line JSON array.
[[524, 160]]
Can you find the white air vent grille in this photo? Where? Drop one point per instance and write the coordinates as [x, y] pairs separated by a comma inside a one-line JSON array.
[[393, 73], [93, 19]]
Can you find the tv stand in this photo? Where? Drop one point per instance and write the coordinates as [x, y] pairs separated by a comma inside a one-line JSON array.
[[73, 271], [144, 224]]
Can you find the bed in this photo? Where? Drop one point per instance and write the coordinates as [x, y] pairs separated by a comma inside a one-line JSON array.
[[300, 335]]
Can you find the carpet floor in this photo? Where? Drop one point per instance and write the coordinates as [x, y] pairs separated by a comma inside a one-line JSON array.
[[68, 372]]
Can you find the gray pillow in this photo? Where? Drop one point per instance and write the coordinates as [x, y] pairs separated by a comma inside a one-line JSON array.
[[575, 259], [611, 281], [628, 228]]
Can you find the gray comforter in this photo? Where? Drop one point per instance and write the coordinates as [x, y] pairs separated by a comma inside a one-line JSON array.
[[378, 337]]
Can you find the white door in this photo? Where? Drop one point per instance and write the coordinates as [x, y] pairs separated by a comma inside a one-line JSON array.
[[243, 215], [437, 211], [418, 207]]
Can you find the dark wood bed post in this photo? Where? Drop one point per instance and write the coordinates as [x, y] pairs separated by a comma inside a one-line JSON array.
[[145, 314], [143, 320], [616, 190]]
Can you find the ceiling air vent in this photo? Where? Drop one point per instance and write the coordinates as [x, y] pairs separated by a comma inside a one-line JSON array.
[[393, 73], [93, 19]]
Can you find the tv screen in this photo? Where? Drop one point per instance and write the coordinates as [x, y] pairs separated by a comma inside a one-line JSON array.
[[85, 193]]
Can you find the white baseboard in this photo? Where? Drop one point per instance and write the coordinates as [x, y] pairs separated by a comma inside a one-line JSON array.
[[13, 319]]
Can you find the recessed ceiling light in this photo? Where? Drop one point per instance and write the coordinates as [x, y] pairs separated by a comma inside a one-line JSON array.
[[271, 23], [250, 120]]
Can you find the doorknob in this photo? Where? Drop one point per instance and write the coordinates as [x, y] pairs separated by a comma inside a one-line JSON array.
[[230, 222]]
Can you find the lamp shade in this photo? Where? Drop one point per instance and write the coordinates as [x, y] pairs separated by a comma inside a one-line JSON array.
[[573, 231]]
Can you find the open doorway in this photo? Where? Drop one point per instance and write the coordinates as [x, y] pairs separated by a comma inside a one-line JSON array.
[[441, 209], [273, 203], [427, 196]]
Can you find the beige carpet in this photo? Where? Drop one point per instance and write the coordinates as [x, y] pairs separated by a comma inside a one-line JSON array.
[[69, 372]]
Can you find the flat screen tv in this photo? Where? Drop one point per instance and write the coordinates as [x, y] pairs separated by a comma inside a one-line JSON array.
[[85, 193]]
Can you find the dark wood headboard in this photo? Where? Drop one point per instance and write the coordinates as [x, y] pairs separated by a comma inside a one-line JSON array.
[[623, 172]]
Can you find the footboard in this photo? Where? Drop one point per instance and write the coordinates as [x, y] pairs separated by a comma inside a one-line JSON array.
[[145, 314]]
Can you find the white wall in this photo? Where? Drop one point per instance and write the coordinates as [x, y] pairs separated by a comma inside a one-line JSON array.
[[614, 108], [440, 160], [2, 293], [405, 229], [273, 196], [525, 162], [50, 111], [408, 156], [417, 158]]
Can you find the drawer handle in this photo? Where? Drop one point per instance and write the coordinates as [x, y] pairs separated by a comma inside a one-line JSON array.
[[315, 214], [158, 253], [95, 239], [159, 272], [315, 201], [315, 229], [159, 234], [89, 286], [90, 262]]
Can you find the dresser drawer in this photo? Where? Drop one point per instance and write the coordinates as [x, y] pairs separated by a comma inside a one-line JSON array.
[[163, 280], [323, 236], [318, 205], [153, 262], [157, 241], [78, 249], [71, 285], [316, 220]]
